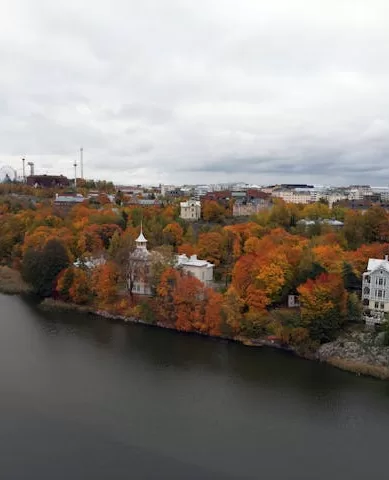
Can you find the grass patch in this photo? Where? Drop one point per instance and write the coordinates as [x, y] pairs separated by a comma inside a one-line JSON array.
[[11, 282], [378, 371], [49, 304]]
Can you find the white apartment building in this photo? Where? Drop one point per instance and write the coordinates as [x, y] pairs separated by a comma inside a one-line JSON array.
[[201, 269], [375, 286], [293, 196], [358, 192], [190, 210]]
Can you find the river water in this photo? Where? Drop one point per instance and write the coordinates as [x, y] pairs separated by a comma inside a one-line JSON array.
[[84, 398]]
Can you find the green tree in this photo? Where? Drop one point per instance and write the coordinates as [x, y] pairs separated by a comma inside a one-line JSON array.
[[354, 308], [41, 268], [350, 279]]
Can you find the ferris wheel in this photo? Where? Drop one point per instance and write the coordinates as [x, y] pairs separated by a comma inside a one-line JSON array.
[[7, 174]]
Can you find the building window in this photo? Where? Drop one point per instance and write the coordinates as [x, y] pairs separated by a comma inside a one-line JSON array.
[[376, 305], [379, 293], [367, 279], [366, 290], [380, 281], [382, 306]]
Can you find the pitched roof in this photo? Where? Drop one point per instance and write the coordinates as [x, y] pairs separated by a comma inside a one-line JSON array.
[[141, 238], [192, 261], [376, 263]]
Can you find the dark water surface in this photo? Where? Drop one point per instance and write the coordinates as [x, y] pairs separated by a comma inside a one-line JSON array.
[[82, 398]]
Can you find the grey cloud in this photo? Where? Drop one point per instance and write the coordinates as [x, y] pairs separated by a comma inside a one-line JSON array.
[[197, 91]]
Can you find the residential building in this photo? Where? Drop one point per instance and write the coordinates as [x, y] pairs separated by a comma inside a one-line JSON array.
[[251, 202], [201, 269], [64, 203], [223, 196], [293, 196], [375, 287], [190, 210]]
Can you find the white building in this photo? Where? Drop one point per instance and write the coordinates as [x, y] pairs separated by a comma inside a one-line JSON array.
[[190, 210], [90, 262], [201, 269], [358, 192], [293, 196], [375, 286]]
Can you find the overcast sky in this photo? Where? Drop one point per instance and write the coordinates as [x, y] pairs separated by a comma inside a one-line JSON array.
[[202, 91]]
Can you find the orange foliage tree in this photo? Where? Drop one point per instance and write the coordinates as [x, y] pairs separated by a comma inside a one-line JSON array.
[[211, 247], [104, 280], [323, 306], [173, 234]]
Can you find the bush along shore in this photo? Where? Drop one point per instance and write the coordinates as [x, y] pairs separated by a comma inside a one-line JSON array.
[[356, 351]]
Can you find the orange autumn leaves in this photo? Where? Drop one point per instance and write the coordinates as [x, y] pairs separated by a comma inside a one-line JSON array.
[[260, 275], [188, 305]]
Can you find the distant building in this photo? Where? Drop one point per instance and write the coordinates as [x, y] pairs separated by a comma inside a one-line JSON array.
[[67, 201], [293, 196], [223, 197], [190, 210], [48, 181], [250, 202], [201, 269], [375, 287], [326, 221]]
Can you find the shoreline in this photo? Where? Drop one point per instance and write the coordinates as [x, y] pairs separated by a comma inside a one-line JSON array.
[[11, 282], [346, 364]]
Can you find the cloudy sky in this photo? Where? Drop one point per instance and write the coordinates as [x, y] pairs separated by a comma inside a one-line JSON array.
[[197, 91]]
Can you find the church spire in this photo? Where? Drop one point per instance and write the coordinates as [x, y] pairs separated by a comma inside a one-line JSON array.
[[141, 241]]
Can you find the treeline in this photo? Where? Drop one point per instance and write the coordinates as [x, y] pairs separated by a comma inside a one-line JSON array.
[[258, 264]]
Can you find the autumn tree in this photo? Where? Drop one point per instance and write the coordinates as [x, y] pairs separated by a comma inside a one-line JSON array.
[[64, 283], [232, 311], [104, 283], [211, 247], [323, 306], [80, 291], [173, 234], [212, 211]]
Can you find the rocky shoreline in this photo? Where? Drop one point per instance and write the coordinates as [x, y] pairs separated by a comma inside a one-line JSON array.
[[361, 352]]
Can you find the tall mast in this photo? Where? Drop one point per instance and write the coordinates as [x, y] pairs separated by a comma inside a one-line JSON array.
[[82, 162]]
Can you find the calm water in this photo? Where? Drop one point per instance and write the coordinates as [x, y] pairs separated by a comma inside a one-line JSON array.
[[82, 398]]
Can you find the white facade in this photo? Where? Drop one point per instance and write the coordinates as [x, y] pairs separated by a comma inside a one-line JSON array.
[[293, 196], [190, 210], [358, 192], [201, 269], [375, 286], [90, 262]]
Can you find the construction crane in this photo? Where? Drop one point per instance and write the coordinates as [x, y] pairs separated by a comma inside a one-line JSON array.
[[31, 165]]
